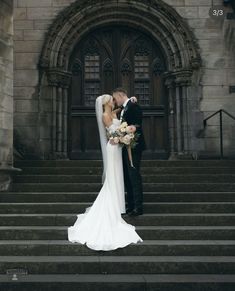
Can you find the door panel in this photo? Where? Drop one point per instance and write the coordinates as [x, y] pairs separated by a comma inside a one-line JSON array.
[[108, 58]]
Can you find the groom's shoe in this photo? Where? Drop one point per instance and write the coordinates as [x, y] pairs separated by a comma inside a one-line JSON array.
[[136, 212]]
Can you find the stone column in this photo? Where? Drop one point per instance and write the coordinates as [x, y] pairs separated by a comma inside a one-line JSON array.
[[183, 114], [183, 81], [171, 117], [59, 81], [6, 94], [189, 113]]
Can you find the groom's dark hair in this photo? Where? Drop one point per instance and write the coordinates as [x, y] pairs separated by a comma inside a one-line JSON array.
[[120, 90]]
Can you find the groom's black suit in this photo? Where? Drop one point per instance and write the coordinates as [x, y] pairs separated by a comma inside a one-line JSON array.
[[132, 177]]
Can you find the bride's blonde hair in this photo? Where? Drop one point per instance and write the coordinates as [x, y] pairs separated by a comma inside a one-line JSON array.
[[106, 98]]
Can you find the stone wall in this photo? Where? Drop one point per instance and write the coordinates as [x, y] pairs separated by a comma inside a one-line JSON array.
[[6, 91], [31, 22], [32, 19]]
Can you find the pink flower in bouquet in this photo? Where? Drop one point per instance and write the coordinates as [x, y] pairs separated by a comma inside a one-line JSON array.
[[131, 129]]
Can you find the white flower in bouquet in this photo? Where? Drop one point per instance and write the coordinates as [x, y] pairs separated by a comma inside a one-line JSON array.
[[123, 125], [126, 139]]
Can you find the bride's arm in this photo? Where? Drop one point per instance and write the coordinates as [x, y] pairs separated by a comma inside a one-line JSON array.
[[107, 120]]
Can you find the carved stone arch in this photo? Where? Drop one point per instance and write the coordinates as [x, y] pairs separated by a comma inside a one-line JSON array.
[[157, 19]]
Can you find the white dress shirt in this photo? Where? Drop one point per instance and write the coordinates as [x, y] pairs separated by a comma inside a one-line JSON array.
[[124, 105]]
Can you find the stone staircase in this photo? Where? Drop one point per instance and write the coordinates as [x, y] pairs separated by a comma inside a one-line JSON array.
[[188, 229]]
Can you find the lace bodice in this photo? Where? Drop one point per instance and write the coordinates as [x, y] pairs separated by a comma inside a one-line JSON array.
[[114, 125]]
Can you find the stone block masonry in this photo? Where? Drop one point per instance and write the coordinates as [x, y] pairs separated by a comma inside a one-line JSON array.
[[33, 18]]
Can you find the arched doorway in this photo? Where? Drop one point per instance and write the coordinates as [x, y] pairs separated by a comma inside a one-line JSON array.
[[107, 58], [171, 107]]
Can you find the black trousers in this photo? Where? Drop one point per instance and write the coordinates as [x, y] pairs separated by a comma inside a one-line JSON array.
[[133, 179]]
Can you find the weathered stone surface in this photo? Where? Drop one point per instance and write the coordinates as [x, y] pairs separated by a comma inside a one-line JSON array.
[[28, 46], [20, 13], [214, 60], [34, 34], [196, 2], [211, 91], [23, 24], [24, 93], [215, 77], [203, 12], [25, 78], [187, 12], [68, 2], [26, 60], [34, 3], [26, 106], [25, 119], [40, 13], [18, 34], [231, 76], [42, 24], [196, 23], [202, 33], [6, 120], [211, 45]]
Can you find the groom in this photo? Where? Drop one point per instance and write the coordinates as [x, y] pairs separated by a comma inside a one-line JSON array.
[[132, 114]]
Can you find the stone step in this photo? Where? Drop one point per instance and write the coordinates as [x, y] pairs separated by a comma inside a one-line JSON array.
[[169, 178], [207, 219], [148, 187], [120, 264], [144, 170], [152, 207], [146, 232], [144, 163], [124, 282], [91, 196], [147, 248]]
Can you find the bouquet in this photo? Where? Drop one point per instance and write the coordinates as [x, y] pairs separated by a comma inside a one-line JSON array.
[[125, 135]]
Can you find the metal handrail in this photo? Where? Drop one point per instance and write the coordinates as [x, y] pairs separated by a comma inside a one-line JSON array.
[[220, 112]]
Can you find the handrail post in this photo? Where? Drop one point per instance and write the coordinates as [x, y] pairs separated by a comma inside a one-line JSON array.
[[221, 135]]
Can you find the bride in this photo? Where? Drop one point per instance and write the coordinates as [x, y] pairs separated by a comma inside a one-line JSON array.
[[101, 226]]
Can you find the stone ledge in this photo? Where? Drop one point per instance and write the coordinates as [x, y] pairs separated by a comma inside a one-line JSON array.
[[6, 173]]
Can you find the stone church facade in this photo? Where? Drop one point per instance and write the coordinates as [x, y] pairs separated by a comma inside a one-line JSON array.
[[174, 55]]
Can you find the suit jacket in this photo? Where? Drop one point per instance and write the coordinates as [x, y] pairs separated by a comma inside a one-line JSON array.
[[133, 116]]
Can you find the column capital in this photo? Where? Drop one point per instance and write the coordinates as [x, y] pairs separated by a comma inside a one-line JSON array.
[[59, 78]]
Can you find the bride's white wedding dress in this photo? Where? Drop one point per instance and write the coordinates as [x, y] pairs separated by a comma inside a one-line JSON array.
[[101, 227]]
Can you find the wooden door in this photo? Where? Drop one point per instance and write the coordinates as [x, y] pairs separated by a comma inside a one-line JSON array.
[[108, 58]]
